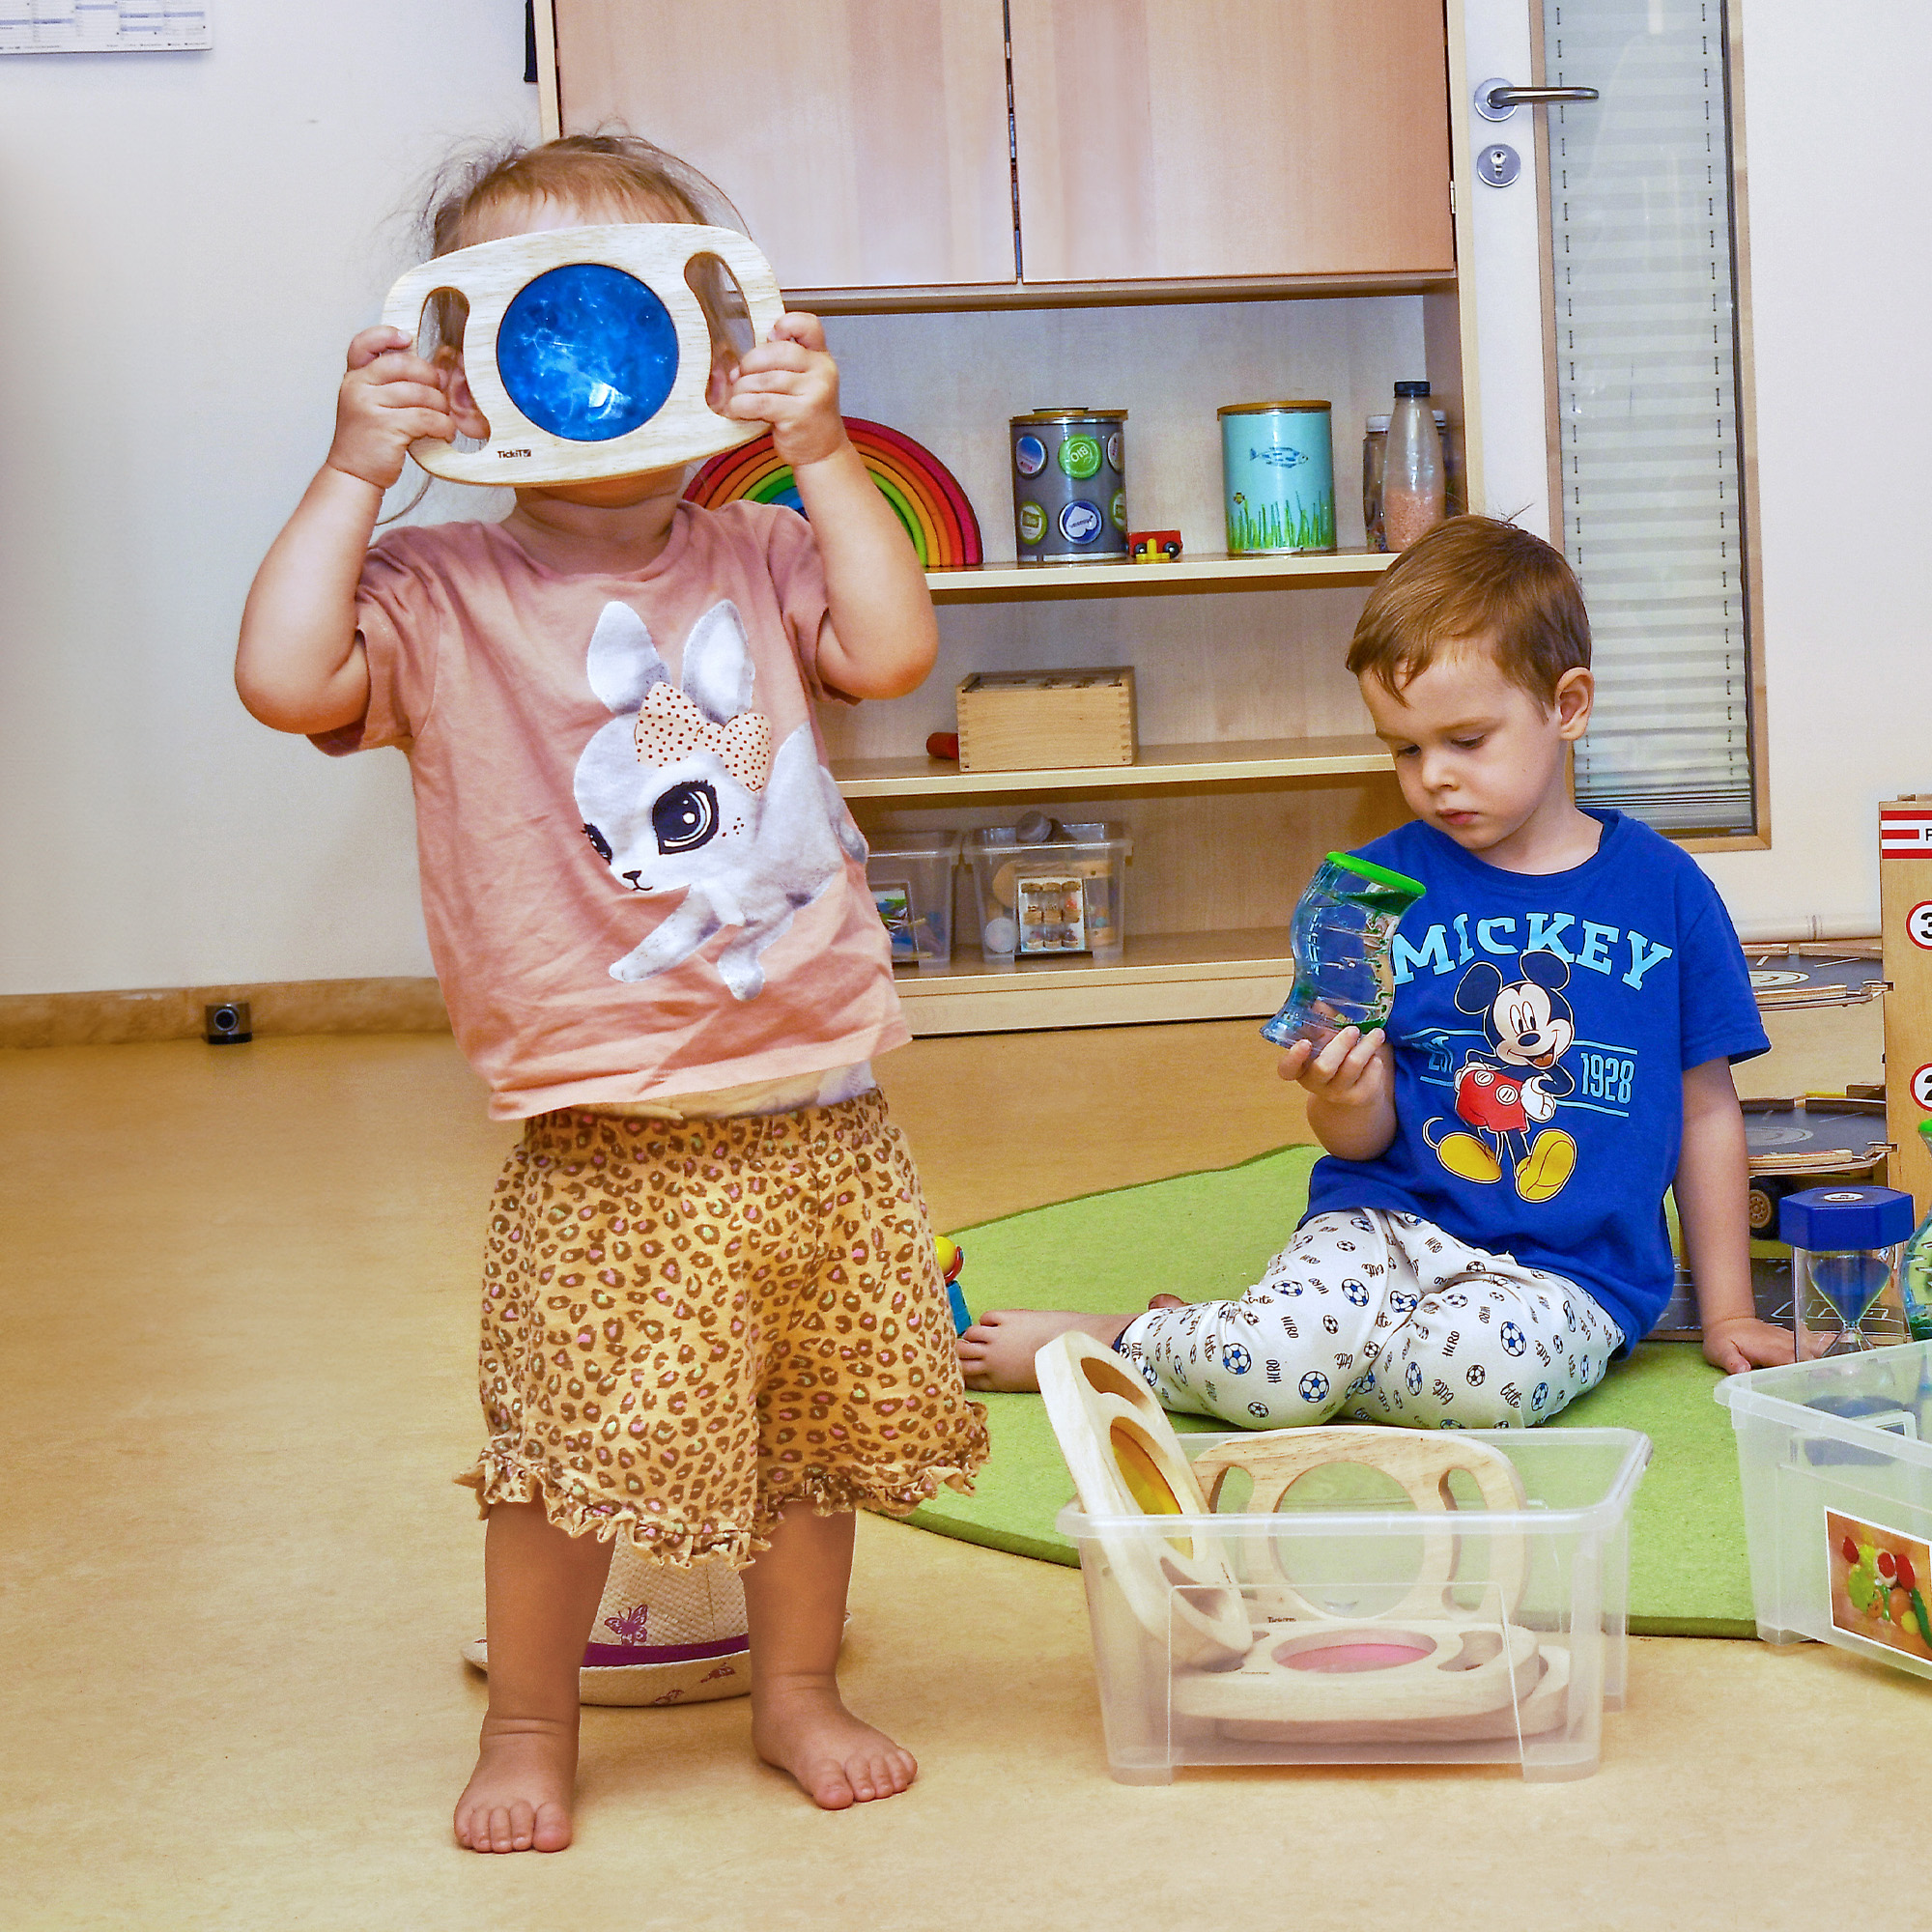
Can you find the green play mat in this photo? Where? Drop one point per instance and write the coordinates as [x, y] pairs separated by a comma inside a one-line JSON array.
[[1206, 1235]]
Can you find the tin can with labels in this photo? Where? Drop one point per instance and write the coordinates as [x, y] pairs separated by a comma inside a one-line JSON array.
[[1278, 467], [1071, 486]]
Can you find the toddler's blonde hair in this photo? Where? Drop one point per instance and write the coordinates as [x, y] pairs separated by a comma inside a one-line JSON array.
[[620, 171]]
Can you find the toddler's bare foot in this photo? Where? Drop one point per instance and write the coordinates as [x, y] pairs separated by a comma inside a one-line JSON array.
[[997, 1351], [517, 1797], [838, 1761]]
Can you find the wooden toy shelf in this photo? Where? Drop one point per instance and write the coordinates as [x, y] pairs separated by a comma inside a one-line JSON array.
[[1191, 574], [1229, 761]]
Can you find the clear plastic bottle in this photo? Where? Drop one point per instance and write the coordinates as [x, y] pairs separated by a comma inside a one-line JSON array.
[[1343, 931], [1415, 493], [1375, 453]]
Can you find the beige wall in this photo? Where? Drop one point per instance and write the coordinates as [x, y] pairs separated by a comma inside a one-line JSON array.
[[186, 242]]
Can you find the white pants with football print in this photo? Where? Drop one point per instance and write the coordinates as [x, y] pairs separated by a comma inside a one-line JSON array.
[[1374, 1317]]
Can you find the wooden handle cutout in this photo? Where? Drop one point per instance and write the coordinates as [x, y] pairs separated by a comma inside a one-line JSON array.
[[1421, 1465]]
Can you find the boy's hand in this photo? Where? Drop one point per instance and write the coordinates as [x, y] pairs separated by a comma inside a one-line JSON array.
[[390, 397], [1355, 1070], [1742, 1342], [791, 382]]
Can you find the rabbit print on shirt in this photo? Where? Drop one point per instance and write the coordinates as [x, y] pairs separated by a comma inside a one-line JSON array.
[[682, 791]]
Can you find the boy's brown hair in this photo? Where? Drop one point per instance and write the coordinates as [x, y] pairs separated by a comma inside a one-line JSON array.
[[1476, 578]]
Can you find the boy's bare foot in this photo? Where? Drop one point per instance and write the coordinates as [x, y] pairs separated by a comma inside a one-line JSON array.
[[517, 1797], [838, 1761], [997, 1351]]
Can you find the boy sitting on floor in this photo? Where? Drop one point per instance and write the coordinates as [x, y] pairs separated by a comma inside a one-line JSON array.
[[1487, 1231]]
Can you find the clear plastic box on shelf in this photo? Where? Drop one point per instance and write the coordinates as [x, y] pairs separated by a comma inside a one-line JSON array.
[[1345, 1586], [910, 877], [1051, 898], [1837, 1480]]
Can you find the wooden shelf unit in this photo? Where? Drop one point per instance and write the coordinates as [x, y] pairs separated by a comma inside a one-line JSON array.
[[868, 150]]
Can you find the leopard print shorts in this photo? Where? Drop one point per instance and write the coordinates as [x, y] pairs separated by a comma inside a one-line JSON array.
[[688, 1327]]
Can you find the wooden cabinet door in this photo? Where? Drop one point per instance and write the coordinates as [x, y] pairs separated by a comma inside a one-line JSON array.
[[1220, 139], [863, 140]]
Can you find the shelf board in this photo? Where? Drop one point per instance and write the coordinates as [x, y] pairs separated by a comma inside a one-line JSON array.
[[986, 296], [1207, 571], [1161, 977], [1228, 762]]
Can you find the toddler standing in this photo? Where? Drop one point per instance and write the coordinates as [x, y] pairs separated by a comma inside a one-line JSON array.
[[712, 1319]]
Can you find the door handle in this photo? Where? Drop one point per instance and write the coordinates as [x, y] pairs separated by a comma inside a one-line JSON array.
[[1499, 100]]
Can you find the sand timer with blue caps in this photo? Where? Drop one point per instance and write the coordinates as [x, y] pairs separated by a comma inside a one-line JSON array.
[[1343, 933], [1847, 1252]]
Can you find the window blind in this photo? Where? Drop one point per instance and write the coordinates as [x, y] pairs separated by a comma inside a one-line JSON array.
[[1648, 423]]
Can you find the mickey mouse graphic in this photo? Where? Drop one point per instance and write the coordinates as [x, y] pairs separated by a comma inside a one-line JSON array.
[[1507, 1096]]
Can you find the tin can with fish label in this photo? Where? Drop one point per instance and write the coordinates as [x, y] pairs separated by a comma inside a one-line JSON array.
[[1278, 469], [1071, 486]]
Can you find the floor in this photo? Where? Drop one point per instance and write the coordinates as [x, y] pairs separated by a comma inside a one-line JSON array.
[[236, 1335]]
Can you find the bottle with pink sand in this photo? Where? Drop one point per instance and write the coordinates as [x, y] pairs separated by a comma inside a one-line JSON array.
[[1415, 477]]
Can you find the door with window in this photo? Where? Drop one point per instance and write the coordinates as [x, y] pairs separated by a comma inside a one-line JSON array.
[[1610, 312]]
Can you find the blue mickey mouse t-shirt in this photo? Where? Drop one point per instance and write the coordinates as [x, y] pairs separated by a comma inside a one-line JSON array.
[[1541, 1028]]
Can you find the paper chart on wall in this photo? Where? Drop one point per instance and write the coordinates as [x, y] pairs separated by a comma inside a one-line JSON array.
[[104, 26]]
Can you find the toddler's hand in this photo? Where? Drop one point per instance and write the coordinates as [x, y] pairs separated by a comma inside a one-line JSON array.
[[791, 382], [390, 397], [1744, 1342], [1355, 1070]]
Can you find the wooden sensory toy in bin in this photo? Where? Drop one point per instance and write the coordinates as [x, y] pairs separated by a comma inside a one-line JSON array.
[[587, 349], [1218, 1631]]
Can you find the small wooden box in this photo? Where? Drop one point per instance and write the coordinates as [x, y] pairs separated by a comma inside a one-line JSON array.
[[1016, 721]]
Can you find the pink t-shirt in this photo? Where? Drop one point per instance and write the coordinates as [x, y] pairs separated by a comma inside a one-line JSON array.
[[637, 876]]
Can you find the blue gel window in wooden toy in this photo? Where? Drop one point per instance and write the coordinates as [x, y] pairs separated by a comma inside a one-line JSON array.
[[587, 352]]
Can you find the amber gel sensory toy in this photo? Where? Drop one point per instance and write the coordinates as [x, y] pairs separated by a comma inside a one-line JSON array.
[[1343, 931]]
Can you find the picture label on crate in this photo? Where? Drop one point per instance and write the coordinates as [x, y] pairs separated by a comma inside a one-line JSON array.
[[1921, 1088], [1919, 924], [895, 914], [1879, 1579]]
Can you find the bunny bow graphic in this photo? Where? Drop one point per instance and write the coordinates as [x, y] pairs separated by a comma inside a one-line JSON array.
[[671, 728], [683, 792]]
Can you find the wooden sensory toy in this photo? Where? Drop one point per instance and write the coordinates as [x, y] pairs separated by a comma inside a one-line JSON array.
[[587, 349], [1125, 1459], [1421, 1462], [1444, 1660]]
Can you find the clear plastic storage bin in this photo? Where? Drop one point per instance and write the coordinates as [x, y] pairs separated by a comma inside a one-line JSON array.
[[910, 877], [1062, 896], [1344, 1587], [1837, 1482]]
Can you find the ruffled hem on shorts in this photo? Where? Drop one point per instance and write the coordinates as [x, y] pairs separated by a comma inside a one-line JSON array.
[[502, 1476]]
